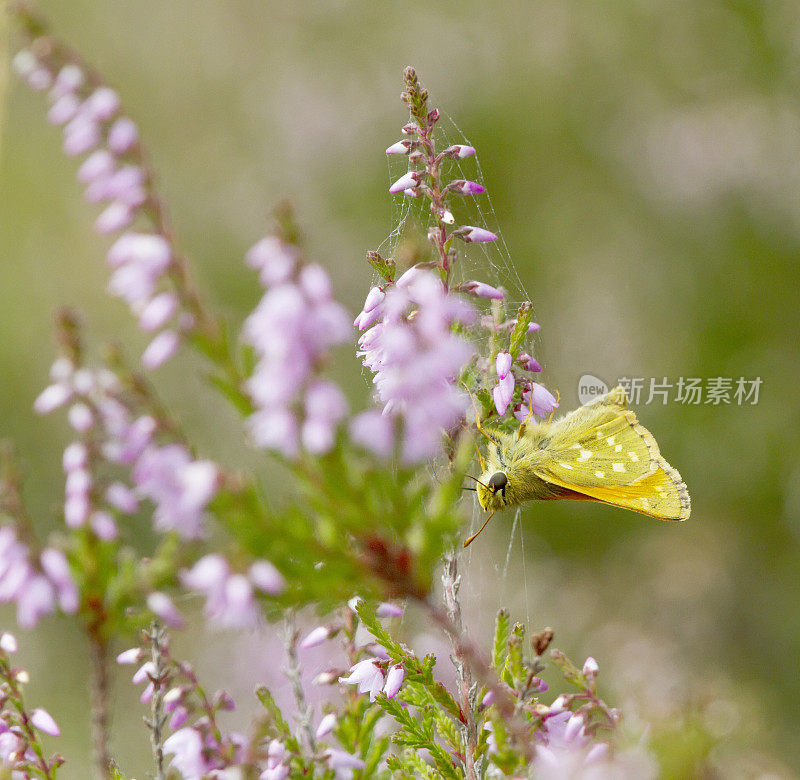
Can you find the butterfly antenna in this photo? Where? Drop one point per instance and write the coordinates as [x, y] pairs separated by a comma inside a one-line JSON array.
[[469, 476], [464, 487], [471, 539]]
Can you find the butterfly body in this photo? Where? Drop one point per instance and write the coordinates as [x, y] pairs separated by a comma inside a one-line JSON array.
[[598, 452]]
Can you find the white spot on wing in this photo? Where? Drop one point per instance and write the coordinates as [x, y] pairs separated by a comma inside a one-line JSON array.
[[611, 439], [617, 448], [599, 474], [566, 466], [584, 456], [634, 457], [618, 467]]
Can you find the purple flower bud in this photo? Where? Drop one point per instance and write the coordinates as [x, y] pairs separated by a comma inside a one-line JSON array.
[[63, 110], [590, 667], [158, 312], [69, 79], [394, 679], [559, 705], [80, 135], [464, 187], [147, 693], [529, 363], [122, 135], [75, 457], [326, 725], [401, 147], [76, 511], [540, 399], [8, 642], [482, 290], [367, 318], [61, 370], [179, 718], [315, 283], [145, 672], [115, 217], [597, 754], [316, 637], [503, 364], [374, 298], [533, 327], [42, 720], [374, 431], [98, 165], [409, 276], [459, 151], [503, 392], [131, 656], [267, 578], [151, 251], [121, 497], [406, 181], [102, 104], [162, 606], [104, 526], [275, 260], [339, 759], [40, 79], [80, 417], [51, 398], [387, 609], [475, 235], [79, 483], [35, 599], [488, 698], [163, 347], [24, 63]]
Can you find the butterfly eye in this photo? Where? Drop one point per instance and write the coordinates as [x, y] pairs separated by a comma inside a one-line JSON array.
[[498, 482]]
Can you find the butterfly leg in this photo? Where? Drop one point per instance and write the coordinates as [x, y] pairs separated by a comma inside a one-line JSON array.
[[558, 401]]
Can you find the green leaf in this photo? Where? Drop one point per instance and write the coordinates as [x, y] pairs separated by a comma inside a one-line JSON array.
[[270, 705], [385, 268], [502, 629], [524, 317]]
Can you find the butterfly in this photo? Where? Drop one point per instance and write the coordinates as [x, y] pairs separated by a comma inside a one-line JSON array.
[[598, 452]]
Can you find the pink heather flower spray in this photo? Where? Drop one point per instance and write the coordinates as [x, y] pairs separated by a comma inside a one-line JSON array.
[[153, 532]]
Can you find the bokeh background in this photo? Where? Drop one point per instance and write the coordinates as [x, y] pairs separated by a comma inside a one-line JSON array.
[[643, 160]]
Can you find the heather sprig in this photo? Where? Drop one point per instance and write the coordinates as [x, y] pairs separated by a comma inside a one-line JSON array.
[[375, 505], [21, 748]]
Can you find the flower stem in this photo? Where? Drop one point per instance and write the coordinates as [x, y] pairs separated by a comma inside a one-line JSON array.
[[157, 717], [451, 581], [292, 672], [471, 657], [98, 657]]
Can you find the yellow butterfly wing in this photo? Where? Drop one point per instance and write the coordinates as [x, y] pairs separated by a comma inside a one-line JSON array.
[[602, 452]]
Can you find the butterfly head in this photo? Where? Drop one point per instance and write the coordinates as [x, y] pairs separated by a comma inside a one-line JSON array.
[[492, 491]]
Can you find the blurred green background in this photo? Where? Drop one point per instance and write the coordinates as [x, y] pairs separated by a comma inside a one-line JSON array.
[[643, 160]]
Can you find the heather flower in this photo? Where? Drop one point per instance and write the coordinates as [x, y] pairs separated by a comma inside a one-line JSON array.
[[8, 642], [162, 606], [325, 725], [416, 361], [539, 398], [186, 747], [367, 675], [292, 329], [475, 235], [179, 487], [481, 290], [394, 679], [387, 609], [463, 187], [230, 598], [315, 637], [342, 762], [43, 720]]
